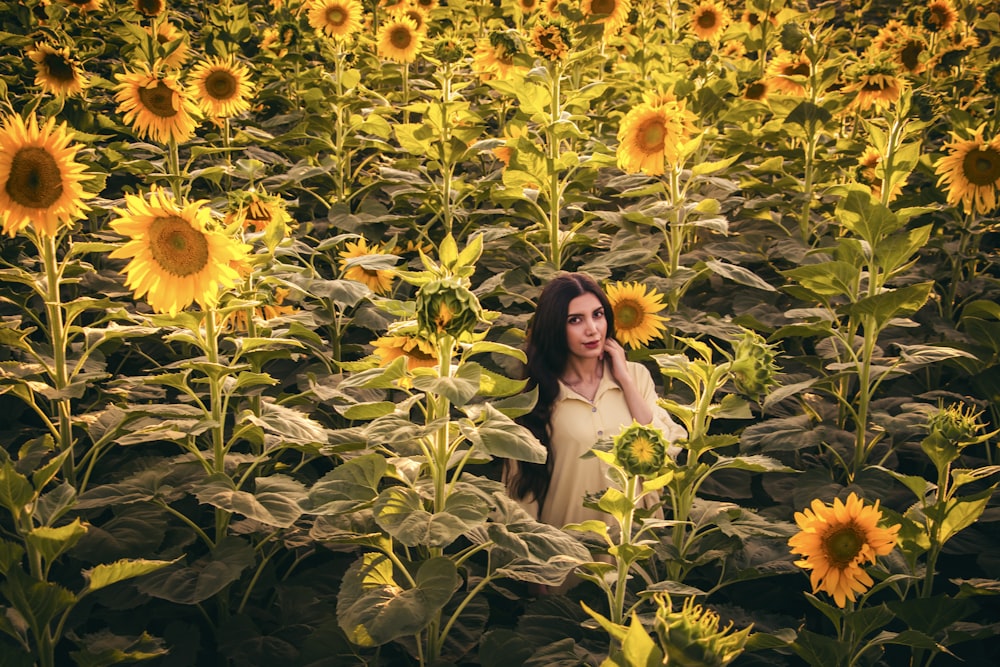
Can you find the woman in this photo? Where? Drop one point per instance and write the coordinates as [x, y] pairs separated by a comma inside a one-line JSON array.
[[587, 391]]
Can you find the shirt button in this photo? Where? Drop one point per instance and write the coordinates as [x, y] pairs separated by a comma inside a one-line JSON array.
[[593, 409], [600, 433]]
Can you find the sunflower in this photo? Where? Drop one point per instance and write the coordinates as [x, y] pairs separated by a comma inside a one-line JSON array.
[[494, 55], [419, 352], [415, 14], [786, 65], [149, 8], [339, 19], [876, 85], [734, 49], [377, 280], [173, 42], [868, 165], [426, 5], [992, 79], [756, 90], [635, 309], [256, 210], [971, 169], [709, 20], [837, 541], [56, 71], [236, 321], [399, 40], [911, 54], [156, 105], [551, 40], [221, 86], [85, 5], [890, 35], [650, 136], [612, 13], [551, 8], [39, 175], [176, 259], [939, 16], [525, 7]]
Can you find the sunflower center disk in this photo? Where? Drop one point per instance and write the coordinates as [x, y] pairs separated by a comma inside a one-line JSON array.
[[982, 167], [158, 100], [336, 16], [401, 38], [221, 85], [651, 135], [627, 315], [177, 248], [600, 7], [844, 545], [35, 180], [707, 20], [58, 67]]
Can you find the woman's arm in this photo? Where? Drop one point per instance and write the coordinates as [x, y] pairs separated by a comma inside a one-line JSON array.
[[639, 405]]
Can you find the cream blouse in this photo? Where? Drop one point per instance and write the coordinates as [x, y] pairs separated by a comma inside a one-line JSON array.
[[575, 425]]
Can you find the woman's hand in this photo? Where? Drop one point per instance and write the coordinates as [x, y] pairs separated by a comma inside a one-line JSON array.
[[615, 353]]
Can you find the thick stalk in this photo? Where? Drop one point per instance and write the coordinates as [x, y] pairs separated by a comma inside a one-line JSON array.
[[864, 396], [59, 342], [218, 432], [446, 157], [618, 609], [555, 111], [174, 167]]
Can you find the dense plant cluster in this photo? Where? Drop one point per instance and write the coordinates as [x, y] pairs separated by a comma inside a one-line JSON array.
[[266, 272]]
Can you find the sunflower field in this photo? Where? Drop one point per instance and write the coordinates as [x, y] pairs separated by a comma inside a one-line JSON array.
[[267, 267]]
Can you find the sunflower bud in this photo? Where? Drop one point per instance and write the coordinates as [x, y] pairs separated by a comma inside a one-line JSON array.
[[792, 37], [701, 50], [449, 50], [445, 306], [691, 637], [956, 424], [640, 450], [753, 367]]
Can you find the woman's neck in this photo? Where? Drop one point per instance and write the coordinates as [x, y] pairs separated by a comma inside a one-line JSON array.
[[582, 371]]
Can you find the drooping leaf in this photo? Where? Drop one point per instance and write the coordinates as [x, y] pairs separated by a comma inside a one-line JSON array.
[[348, 487], [103, 649], [275, 500], [202, 579], [499, 435], [375, 606], [400, 512], [106, 574], [53, 542]]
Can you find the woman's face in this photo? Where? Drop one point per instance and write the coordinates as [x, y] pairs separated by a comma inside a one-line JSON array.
[[586, 327]]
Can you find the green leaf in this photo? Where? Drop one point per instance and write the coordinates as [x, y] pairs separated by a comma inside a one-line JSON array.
[[287, 425], [499, 435], [934, 614], [459, 389], [638, 648], [204, 578], [488, 347], [104, 649], [39, 602], [51, 543], [826, 279], [739, 275], [10, 555], [892, 304], [15, 489], [400, 512], [958, 513], [274, 501], [348, 487], [755, 463], [493, 384], [106, 574], [368, 411], [375, 608]]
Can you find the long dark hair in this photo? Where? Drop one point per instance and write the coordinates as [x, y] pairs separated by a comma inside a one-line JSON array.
[[547, 352]]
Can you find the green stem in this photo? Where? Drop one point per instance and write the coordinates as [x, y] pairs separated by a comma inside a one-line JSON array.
[[218, 432], [864, 396], [555, 111], [174, 167], [618, 609], [448, 167], [59, 342]]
